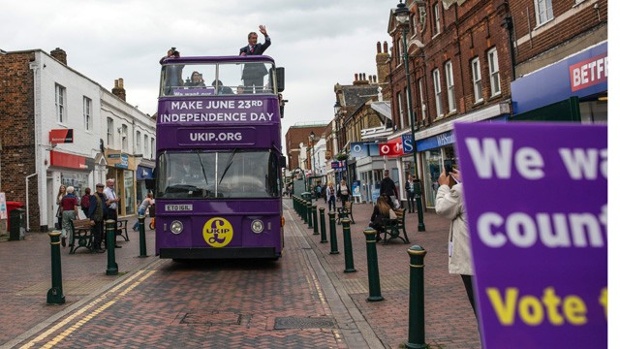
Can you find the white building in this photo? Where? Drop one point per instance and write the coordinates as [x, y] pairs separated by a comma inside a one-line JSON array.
[[75, 133]]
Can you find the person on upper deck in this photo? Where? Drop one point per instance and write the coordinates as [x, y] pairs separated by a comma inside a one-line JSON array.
[[220, 89], [253, 73], [196, 80], [174, 73]]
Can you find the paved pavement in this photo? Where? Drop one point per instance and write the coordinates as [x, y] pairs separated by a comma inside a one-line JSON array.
[[324, 289]]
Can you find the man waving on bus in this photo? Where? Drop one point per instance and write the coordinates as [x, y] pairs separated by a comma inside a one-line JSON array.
[[253, 73]]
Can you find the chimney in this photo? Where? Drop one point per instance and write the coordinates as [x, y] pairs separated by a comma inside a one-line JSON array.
[[360, 79], [383, 69], [60, 55], [119, 90]]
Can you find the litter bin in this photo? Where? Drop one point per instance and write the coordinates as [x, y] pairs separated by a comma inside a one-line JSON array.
[[306, 196], [16, 224]]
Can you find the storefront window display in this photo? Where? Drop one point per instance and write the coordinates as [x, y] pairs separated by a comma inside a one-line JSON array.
[[432, 169], [78, 180], [129, 192]]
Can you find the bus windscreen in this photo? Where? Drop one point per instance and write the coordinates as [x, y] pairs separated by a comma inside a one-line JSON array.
[[218, 174]]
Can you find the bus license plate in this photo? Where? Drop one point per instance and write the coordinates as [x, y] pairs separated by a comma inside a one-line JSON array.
[[178, 208]]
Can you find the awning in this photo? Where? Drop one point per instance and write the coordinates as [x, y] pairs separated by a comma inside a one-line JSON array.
[[384, 108]]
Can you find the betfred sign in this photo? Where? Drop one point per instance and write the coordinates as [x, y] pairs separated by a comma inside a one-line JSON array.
[[588, 72]]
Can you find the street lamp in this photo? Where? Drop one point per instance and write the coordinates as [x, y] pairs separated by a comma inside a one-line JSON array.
[[312, 164], [401, 14]]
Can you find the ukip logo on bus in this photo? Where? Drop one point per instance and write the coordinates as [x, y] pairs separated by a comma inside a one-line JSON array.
[[217, 232]]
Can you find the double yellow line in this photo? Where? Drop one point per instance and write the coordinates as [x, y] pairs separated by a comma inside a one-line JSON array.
[[96, 307]]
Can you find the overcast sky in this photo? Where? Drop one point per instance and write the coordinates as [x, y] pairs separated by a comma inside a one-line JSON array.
[[319, 42]]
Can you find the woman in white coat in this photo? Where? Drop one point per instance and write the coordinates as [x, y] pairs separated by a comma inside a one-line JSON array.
[[449, 204]]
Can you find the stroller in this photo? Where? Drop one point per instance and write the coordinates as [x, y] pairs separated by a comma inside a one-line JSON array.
[[152, 215]]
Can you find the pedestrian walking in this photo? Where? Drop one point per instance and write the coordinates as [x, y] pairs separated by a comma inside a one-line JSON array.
[[69, 205], [95, 214], [388, 187]]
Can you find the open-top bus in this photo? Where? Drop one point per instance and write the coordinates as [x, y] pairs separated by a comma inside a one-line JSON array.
[[218, 186]]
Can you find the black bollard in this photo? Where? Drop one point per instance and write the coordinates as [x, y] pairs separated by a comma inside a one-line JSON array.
[[54, 294], [309, 213], [333, 239], [304, 215], [322, 220], [315, 223], [110, 229], [141, 229], [296, 204], [348, 247], [374, 284], [416, 298]]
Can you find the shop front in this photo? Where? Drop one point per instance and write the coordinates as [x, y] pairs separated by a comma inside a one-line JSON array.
[[573, 89], [436, 144], [122, 168], [69, 170], [143, 174]]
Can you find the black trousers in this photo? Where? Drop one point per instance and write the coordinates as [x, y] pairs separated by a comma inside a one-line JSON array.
[[97, 231], [467, 281], [411, 202]]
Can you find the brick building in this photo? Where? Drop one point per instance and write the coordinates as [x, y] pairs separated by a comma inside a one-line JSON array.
[[58, 127], [560, 50], [460, 69], [297, 143]]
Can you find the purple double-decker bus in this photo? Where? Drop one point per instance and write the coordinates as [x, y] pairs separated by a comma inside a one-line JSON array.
[[218, 186]]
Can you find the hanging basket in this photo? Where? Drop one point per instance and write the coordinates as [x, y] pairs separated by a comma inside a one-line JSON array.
[[342, 156]]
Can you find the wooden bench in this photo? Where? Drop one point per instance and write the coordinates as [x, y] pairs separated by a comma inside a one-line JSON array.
[[345, 212], [394, 227], [82, 234], [121, 229]]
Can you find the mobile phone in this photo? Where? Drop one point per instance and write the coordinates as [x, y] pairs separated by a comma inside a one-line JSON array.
[[447, 165]]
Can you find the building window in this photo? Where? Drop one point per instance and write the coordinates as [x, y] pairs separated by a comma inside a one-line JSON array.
[[61, 95], [139, 141], [422, 104], [494, 72], [87, 106], [110, 132], [437, 83], [476, 79], [146, 147], [152, 148], [124, 139], [401, 110], [544, 11], [450, 87], [436, 20]]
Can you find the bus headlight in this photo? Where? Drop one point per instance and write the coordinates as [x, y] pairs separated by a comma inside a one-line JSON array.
[[176, 227], [258, 226]]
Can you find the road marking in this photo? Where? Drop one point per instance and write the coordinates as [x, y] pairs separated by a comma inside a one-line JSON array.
[[86, 308]]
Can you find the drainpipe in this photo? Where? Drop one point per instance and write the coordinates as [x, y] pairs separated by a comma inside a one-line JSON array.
[[508, 24], [27, 201]]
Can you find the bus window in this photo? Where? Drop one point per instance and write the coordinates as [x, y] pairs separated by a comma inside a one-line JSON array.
[[183, 79]]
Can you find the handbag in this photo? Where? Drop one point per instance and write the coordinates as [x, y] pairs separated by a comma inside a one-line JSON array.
[[59, 212]]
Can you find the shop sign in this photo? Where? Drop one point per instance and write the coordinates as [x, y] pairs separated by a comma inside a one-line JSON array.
[[64, 135]]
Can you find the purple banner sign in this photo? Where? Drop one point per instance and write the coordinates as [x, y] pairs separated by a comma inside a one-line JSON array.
[[229, 136], [211, 111], [536, 202]]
